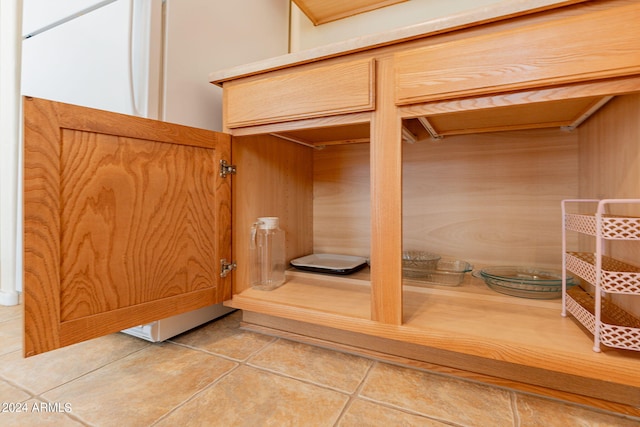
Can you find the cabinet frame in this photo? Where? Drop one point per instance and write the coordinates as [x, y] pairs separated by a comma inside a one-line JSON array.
[[388, 321]]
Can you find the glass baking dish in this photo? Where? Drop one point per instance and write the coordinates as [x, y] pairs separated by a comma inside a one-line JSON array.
[[447, 272]]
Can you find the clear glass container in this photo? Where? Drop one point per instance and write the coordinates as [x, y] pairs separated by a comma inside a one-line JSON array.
[[267, 254]]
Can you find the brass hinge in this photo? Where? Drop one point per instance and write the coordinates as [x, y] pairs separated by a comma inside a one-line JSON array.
[[226, 169], [226, 267]]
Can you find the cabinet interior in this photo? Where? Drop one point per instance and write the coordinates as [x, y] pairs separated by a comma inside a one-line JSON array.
[[491, 197], [461, 143]]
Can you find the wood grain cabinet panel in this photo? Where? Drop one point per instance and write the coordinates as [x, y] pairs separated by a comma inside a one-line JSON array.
[[125, 221], [315, 92], [577, 48]]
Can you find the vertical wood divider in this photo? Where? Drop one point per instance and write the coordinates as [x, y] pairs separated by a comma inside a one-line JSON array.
[[386, 200]]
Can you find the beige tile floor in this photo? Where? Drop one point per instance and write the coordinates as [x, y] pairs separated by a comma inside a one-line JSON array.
[[221, 375]]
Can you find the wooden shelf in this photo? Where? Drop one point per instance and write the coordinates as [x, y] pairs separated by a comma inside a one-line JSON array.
[[337, 295]]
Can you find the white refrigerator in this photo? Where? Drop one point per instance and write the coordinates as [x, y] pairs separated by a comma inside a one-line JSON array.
[[149, 58]]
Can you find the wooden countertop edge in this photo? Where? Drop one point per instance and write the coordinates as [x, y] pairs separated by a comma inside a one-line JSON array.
[[504, 10]]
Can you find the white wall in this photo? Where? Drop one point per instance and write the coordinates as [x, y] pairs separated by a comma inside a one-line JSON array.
[[219, 35], [10, 19]]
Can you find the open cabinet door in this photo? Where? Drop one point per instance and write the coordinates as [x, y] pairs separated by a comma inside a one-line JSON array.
[[125, 222]]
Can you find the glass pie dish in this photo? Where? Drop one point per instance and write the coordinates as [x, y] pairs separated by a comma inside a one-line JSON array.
[[417, 264], [525, 282]]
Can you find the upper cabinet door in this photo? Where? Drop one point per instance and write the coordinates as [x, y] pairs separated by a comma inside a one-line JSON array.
[[125, 222]]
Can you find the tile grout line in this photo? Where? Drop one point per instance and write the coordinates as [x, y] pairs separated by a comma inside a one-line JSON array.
[[560, 401], [238, 362], [387, 405], [410, 411], [71, 415], [223, 356], [247, 363], [356, 393], [352, 396], [11, 383], [76, 417], [196, 394], [303, 380], [514, 409], [39, 395], [93, 370], [39, 398], [508, 389]]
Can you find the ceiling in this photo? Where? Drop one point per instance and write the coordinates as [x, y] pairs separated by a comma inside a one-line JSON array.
[[323, 11]]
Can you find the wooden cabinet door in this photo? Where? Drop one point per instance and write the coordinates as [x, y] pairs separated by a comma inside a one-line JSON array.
[[125, 222]]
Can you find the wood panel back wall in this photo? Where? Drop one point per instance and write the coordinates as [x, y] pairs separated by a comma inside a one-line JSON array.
[[342, 200], [490, 198], [486, 198]]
